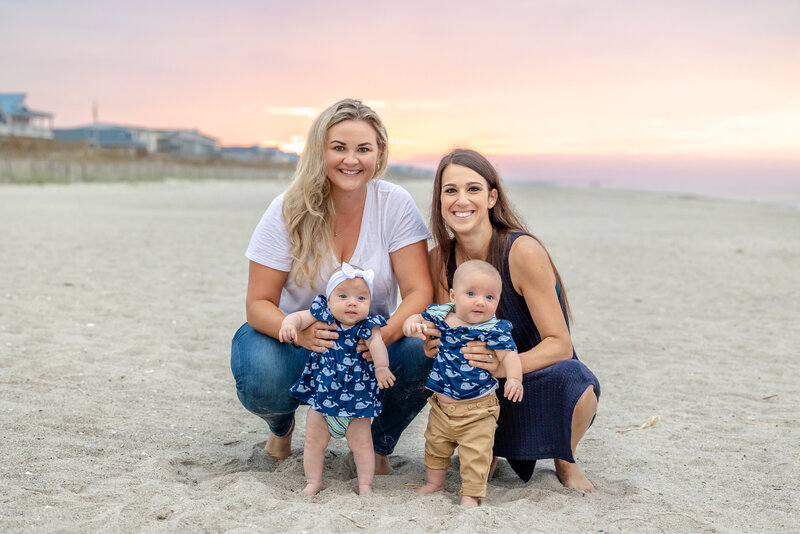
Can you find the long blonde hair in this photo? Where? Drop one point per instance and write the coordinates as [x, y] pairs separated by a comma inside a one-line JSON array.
[[307, 206]]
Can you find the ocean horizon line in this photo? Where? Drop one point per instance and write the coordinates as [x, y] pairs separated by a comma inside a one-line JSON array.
[[763, 180]]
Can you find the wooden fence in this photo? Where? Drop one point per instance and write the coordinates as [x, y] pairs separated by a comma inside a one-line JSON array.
[[52, 170]]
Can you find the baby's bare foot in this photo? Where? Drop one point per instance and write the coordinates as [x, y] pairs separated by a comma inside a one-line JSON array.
[[365, 489], [469, 501], [571, 476], [312, 489], [428, 488]]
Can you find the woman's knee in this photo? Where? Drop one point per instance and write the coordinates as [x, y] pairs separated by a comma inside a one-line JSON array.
[[567, 367], [572, 371], [263, 372], [408, 361]]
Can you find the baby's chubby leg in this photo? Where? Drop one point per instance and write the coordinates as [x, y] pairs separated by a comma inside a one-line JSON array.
[[317, 438], [359, 440]]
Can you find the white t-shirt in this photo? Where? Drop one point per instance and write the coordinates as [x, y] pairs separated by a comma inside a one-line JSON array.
[[390, 222]]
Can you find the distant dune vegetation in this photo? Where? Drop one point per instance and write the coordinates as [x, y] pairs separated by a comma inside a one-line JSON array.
[[36, 161]]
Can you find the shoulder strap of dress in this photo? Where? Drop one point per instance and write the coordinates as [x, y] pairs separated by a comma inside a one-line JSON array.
[[506, 272], [515, 235]]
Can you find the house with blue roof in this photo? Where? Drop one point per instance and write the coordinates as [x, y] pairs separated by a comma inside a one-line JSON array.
[[182, 143], [107, 135], [186, 143], [256, 154], [18, 120]]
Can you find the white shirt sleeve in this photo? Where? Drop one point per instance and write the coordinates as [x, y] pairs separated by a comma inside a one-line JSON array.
[[404, 223], [270, 245]]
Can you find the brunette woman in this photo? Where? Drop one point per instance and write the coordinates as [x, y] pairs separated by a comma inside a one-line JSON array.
[[471, 218]]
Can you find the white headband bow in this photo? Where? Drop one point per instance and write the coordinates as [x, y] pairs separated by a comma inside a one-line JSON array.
[[347, 272]]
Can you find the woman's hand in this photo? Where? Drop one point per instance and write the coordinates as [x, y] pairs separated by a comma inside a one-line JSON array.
[[432, 341], [364, 350], [318, 337], [477, 355]]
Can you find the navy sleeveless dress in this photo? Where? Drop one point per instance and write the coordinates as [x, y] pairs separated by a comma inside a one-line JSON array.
[[540, 426]]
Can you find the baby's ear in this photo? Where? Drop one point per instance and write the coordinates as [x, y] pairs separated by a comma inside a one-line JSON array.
[[452, 295]]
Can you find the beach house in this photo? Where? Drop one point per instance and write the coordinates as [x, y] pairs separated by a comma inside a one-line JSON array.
[[182, 143], [107, 136], [257, 154], [186, 144], [17, 120]]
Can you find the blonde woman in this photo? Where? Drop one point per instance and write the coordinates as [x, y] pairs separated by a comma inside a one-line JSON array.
[[336, 210]]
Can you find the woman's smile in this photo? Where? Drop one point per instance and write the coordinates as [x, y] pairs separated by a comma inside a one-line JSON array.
[[352, 154], [466, 198]]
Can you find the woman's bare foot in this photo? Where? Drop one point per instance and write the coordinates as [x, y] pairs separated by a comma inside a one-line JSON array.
[[312, 489], [571, 476], [280, 447], [364, 489], [382, 466], [429, 488], [469, 501]]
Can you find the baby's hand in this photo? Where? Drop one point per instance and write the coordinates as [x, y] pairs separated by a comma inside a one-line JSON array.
[[384, 376], [413, 329], [287, 334], [513, 390]]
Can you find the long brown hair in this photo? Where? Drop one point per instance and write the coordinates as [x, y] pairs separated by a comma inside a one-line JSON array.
[[504, 219]]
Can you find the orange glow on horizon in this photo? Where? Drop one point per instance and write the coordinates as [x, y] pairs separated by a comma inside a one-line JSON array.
[[295, 145], [531, 78]]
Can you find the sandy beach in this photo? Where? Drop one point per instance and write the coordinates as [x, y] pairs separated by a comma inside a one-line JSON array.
[[118, 410]]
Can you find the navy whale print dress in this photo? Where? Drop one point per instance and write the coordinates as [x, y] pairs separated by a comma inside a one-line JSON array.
[[340, 382]]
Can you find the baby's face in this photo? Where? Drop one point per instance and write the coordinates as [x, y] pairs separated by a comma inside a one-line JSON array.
[[475, 296], [349, 301]]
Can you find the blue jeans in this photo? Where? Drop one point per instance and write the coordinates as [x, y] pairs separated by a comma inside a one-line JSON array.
[[265, 369]]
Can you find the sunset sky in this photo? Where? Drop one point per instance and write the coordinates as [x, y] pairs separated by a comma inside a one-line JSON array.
[[696, 78]]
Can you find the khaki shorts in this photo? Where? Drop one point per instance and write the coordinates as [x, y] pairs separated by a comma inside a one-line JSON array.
[[470, 426]]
